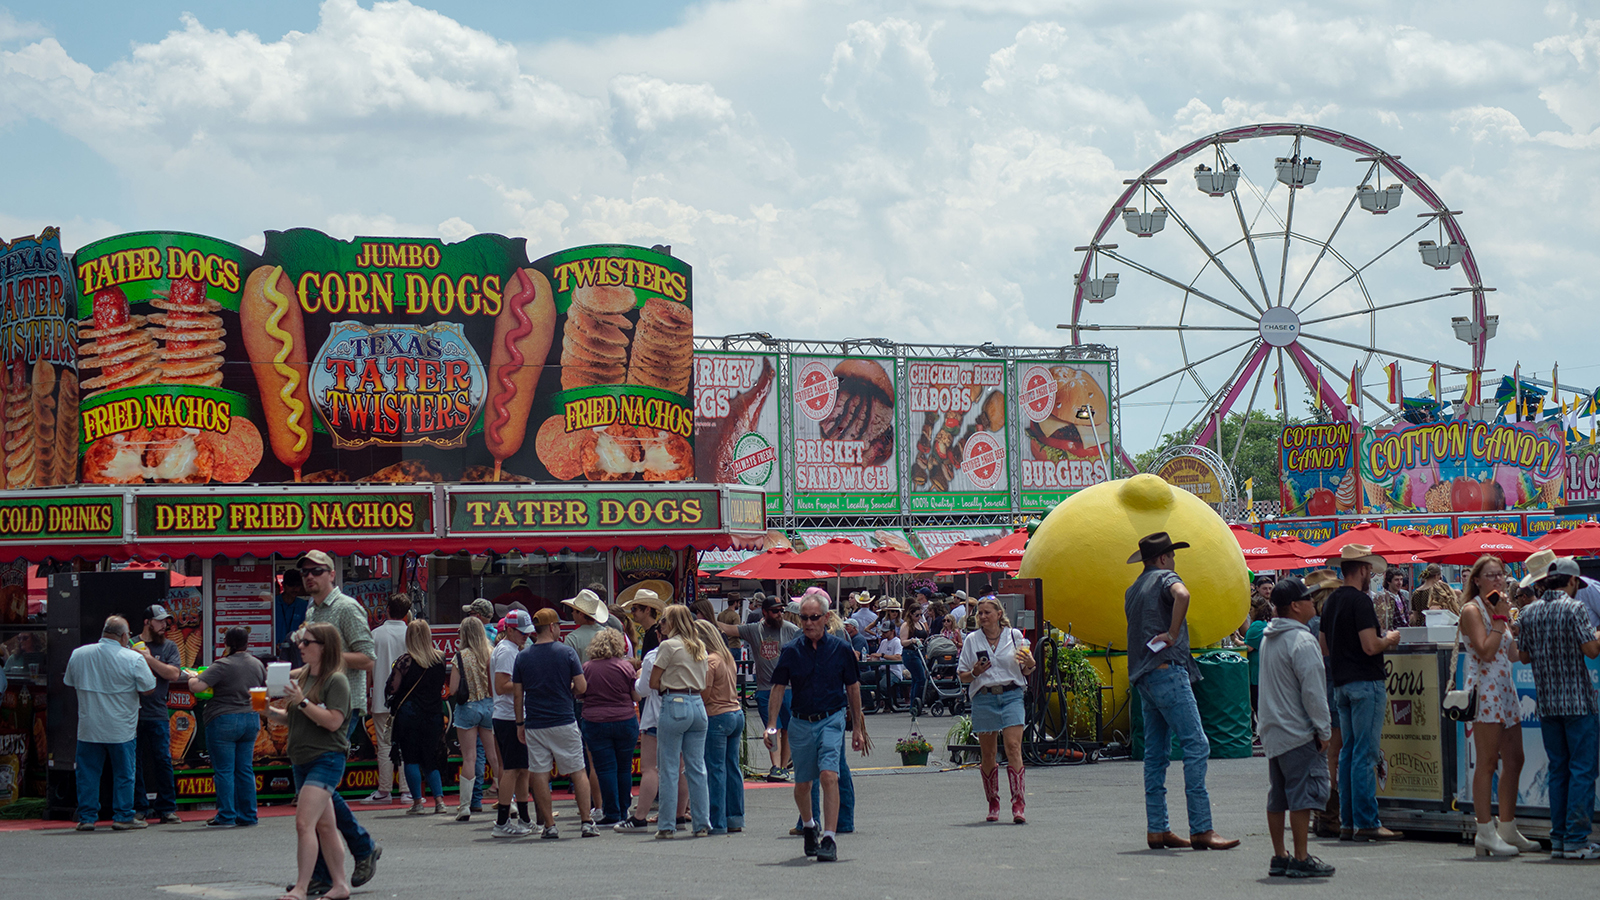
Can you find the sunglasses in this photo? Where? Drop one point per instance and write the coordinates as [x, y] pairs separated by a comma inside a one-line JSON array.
[[812, 618], [304, 641], [315, 570]]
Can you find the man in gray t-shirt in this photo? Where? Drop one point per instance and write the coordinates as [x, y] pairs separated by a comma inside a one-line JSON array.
[[766, 639]]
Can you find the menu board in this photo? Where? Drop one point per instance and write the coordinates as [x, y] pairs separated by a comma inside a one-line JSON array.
[[1064, 413], [736, 428], [957, 444], [846, 457], [385, 360], [242, 597], [39, 389]]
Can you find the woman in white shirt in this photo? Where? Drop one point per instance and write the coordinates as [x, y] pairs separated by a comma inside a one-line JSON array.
[[995, 664]]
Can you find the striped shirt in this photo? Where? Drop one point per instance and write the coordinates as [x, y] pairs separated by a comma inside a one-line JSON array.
[[1552, 631]]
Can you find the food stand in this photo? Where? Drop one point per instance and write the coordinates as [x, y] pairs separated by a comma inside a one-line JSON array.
[[448, 420]]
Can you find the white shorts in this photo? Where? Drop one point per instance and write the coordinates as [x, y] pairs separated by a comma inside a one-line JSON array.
[[560, 747]]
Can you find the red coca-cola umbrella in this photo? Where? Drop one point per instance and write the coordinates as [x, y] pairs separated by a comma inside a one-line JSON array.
[[779, 562], [1465, 550], [1288, 543], [1262, 554], [1433, 540], [905, 562], [1583, 540], [1006, 550], [843, 557], [950, 559], [1392, 546]]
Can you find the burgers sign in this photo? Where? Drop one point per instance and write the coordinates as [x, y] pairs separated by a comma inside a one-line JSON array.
[[1066, 415]]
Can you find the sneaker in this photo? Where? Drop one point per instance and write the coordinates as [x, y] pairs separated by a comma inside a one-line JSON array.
[[1278, 865], [519, 828], [589, 829], [702, 832], [85, 826], [1310, 867], [366, 867], [134, 825], [630, 824], [810, 835], [502, 831], [665, 834], [796, 831], [1590, 850], [1558, 850], [215, 822], [377, 797], [775, 774], [827, 851], [405, 796], [169, 818], [550, 833]]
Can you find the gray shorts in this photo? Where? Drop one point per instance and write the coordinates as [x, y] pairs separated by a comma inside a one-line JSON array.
[[1297, 779], [559, 748]]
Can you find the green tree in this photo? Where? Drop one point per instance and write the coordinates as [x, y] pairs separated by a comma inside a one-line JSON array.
[[1258, 454]]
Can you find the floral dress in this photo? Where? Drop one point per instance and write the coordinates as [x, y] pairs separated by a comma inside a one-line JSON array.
[[1497, 695]]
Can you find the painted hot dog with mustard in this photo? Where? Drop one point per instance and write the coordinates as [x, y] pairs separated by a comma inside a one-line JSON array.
[[522, 335], [275, 338]]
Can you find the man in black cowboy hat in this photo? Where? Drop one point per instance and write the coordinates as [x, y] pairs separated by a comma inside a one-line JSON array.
[[1161, 667]]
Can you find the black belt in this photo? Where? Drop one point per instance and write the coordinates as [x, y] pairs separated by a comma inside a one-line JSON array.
[[813, 717], [999, 689], [678, 691]]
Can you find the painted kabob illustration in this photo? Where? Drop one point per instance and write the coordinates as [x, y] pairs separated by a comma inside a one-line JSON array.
[[523, 333], [275, 338], [939, 453]]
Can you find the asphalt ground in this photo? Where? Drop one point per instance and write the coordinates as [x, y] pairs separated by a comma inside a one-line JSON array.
[[920, 833]]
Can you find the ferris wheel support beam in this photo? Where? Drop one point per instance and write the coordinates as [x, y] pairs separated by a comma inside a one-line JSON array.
[[1362, 312], [1314, 379], [1178, 284], [1215, 260], [1375, 350], [1238, 381], [1255, 259], [1129, 393], [1288, 235], [1244, 424], [1364, 266], [1364, 392], [1354, 196]]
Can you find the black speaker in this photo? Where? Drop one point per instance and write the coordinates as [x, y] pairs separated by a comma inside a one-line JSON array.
[[79, 604]]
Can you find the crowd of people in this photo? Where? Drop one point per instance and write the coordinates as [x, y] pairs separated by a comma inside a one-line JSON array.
[[527, 701]]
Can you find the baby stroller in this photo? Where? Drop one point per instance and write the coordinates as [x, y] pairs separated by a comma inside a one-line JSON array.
[[945, 693]]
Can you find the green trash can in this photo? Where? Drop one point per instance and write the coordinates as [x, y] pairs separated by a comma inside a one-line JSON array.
[[1223, 697]]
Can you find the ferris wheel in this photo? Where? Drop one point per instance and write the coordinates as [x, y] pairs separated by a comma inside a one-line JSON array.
[[1290, 257]]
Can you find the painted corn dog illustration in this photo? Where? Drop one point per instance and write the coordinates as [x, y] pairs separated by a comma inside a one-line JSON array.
[[523, 333], [275, 338]]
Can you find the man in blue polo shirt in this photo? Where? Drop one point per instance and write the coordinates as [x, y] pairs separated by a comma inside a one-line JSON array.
[[823, 672]]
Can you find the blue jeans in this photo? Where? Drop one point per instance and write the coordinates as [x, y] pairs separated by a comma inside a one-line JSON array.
[[355, 837], [724, 734], [682, 730], [1361, 705], [1170, 711], [414, 776], [1571, 744], [479, 767], [92, 760], [231, 741], [917, 671], [611, 744], [152, 769], [763, 697]]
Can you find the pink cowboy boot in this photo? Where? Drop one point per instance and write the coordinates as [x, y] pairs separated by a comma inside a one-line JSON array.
[[1019, 799], [991, 790]]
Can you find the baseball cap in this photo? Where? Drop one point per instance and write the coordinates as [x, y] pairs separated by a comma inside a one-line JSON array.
[[481, 608], [1565, 565], [157, 611], [545, 617], [771, 603], [518, 619], [317, 557]]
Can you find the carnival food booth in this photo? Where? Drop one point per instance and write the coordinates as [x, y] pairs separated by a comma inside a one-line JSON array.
[[185, 416]]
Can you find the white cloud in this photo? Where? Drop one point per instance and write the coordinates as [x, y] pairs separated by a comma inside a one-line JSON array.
[[919, 171]]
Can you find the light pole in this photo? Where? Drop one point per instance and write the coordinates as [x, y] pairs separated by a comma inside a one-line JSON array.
[[1086, 412]]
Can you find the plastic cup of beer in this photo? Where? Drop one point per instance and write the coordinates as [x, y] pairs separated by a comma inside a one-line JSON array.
[[258, 699]]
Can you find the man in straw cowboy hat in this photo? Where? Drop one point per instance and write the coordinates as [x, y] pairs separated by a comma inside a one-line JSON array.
[[590, 615], [1355, 655], [646, 605], [1554, 636], [1161, 667]]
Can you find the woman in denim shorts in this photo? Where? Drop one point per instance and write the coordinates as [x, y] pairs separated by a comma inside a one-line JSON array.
[[474, 719], [316, 707]]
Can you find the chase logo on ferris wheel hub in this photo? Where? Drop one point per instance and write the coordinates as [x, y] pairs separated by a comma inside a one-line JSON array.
[[1280, 327]]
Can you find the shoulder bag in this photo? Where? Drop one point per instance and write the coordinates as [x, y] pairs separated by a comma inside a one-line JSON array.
[[1459, 705], [462, 691]]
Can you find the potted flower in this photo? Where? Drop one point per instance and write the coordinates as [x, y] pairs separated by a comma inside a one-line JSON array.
[[913, 749]]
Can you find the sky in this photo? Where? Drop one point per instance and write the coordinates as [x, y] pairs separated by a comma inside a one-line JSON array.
[[919, 171]]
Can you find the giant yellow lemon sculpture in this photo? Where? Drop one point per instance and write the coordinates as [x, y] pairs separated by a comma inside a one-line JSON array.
[[1081, 551]]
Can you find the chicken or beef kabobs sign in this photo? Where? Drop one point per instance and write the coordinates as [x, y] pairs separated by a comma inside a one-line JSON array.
[[958, 426]]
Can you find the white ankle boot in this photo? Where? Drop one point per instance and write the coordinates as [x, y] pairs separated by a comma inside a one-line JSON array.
[[1489, 843], [464, 810], [1508, 832]]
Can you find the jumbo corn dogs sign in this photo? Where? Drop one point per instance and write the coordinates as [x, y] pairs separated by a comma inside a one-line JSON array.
[[387, 360]]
